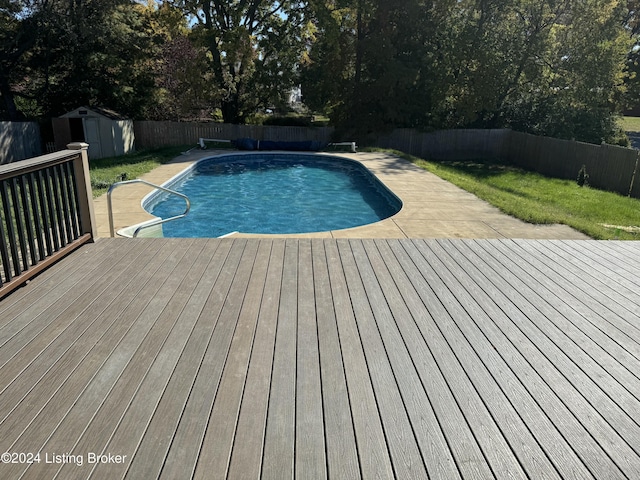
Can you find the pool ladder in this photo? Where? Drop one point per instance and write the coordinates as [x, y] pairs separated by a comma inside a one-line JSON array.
[[153, 222]]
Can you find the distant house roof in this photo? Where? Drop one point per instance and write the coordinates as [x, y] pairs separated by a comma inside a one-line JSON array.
[[105, 112]]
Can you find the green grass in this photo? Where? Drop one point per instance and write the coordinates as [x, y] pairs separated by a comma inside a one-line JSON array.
[[106, 171], [630, 124], [542, 200]]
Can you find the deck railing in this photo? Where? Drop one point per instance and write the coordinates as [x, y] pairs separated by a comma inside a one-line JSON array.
[[46, 211]]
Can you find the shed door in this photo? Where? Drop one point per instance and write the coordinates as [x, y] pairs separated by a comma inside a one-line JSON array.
[[92, 137], [61, 132]]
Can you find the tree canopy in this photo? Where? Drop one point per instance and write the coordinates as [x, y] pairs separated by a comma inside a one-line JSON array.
[[554, 67], [254, 47], [564, 68]]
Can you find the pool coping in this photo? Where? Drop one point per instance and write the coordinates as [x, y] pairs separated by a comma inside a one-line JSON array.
[[431, 206]]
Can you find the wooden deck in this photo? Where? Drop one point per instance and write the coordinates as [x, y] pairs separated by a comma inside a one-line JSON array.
[[316, 359]]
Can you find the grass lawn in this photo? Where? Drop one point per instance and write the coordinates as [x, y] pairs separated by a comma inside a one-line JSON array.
[[630, 124], [106, 171], [538, 199]]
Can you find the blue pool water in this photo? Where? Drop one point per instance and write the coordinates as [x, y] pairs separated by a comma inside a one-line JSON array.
[[273, 193]]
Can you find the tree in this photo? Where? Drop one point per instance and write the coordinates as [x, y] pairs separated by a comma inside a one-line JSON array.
[[19, 23], [369, 62], [327, 72], [184, 83], [570, 84], [551, 67], [379, 65], [96, 52], [58, 54], [254, 46], [187, 89]]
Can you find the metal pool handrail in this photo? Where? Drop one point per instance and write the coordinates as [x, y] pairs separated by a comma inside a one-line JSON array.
[[150, 224]]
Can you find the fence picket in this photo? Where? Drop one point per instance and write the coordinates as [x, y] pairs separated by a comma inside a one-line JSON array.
[[19, 140], [609, 167], [159, 134]]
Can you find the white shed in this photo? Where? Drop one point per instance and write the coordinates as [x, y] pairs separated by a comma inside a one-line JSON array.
[[107, 133]]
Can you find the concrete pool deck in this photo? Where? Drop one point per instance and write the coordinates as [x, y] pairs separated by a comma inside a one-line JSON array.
[[432, 207]]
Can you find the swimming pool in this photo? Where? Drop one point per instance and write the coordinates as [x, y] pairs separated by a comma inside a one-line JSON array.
[[273, 193]]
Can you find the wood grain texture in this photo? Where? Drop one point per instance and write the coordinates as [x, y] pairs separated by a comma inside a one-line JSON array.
[[321, 358]]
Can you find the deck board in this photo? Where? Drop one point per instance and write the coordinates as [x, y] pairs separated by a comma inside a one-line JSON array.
[[224, 303], [402, 343], [404, 451], [523, 423], [152, 451], [561, 292], [575, 337], [53, 334], [144, 401], [604, 266], [586, 427], [556, 345], [278, 459], [219, 437], [594, 293], [323, 358], [517, 318], [373, 452], [25, 322], [53, 372], [99, 407], [310, 437], [462, 372], [436, 363], [341, 448], [495, 448], [582, 321], [246, 456]]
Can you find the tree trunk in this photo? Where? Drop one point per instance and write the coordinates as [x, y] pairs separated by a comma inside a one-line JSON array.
[[231, 110]]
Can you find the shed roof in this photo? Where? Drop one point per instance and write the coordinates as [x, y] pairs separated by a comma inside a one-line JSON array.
[[105, 112]]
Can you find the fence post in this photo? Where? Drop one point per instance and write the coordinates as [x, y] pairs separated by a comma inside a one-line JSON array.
[[633, 176], [83, 186]]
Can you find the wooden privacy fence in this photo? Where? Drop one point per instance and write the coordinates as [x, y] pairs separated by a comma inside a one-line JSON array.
[[19, 140], [159, 134], [609, 167], [447, 144], [46, 211]]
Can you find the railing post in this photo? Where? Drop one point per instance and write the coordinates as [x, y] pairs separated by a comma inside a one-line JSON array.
[[83, 185]]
